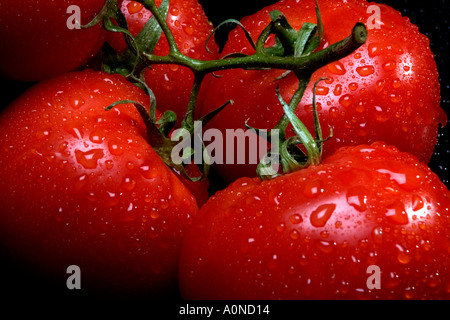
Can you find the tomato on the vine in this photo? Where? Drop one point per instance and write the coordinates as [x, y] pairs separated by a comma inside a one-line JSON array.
[[319, 233], [37, 42], [81, 185], [190, 27], [388, 90]]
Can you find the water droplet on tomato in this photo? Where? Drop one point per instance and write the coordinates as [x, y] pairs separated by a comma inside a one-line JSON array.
[[128, 184], [337, 68], [396, 213], [296, 219], [112, 199], [390, 66], [76, 103], [417, 203], [403, 255], [134, 7], [96, 137], [88, 159], [377, 235], [321, 215], [337, 90], [174, 12], [116, 148], [294, 234], [380, 86], [325, 246], [281, 227], [357, 198], [381, 115], [346, 100], [313, 188], [353, 86], [365, 71]]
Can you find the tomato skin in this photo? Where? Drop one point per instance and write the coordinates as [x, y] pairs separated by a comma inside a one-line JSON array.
[[37, 42], [186, 19], [388, 90], [81, 185], [312, 234]]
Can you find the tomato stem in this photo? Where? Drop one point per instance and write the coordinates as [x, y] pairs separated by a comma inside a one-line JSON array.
[[295, 51]]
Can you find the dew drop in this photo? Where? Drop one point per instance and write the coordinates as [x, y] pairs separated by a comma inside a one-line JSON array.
[[346, 100], [377, 235], [296, 219], [76, 103], [381, 115], [325, 246], [357, 198], [337, 90], [322, 214], [128, 184], [313, 188], [365, 71], [89, 159], [403, 256], [112, 200], [294, 234], [337, 68], [396, 213], [116, 148], [389, 66], [417, 203], [134, 7]]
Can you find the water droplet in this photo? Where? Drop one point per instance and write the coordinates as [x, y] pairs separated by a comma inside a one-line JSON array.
[[390, 66], [325, 246], [396, 84], [128, 184], [174, 11], [76, 103], [112, 199], [357, 198], [396, 213], [403, 256], [89, 159], [322, 214], [188, 29], [281, 227], [381, 115], [375, 50], [322, 91], [417, 203], [353, 86], [294, 234], [380, 86], [337, 68], [365, 71], [377, 235], [296, 219], [346, 100], [96, 137], [313, 188], [337, 90], [116, 148], [134, 7]]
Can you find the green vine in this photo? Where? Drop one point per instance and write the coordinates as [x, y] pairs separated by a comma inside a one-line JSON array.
[[294, 51]]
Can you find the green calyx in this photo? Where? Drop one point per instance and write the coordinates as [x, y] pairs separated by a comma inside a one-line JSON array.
[[294, 51]]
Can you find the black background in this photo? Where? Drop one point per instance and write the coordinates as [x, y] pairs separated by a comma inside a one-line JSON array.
[[432, 18]]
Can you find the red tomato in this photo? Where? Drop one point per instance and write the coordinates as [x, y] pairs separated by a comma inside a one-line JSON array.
[[172, 84], [324, 233], [38, 44], [388, 90], [81, 185]]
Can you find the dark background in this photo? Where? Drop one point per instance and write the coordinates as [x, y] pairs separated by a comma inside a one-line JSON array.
[[432, 18]]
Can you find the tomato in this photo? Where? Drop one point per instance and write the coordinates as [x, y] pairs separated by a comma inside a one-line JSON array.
[[81, 186], [172, 84], [324, 232], [38, 44], [388, 90]]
